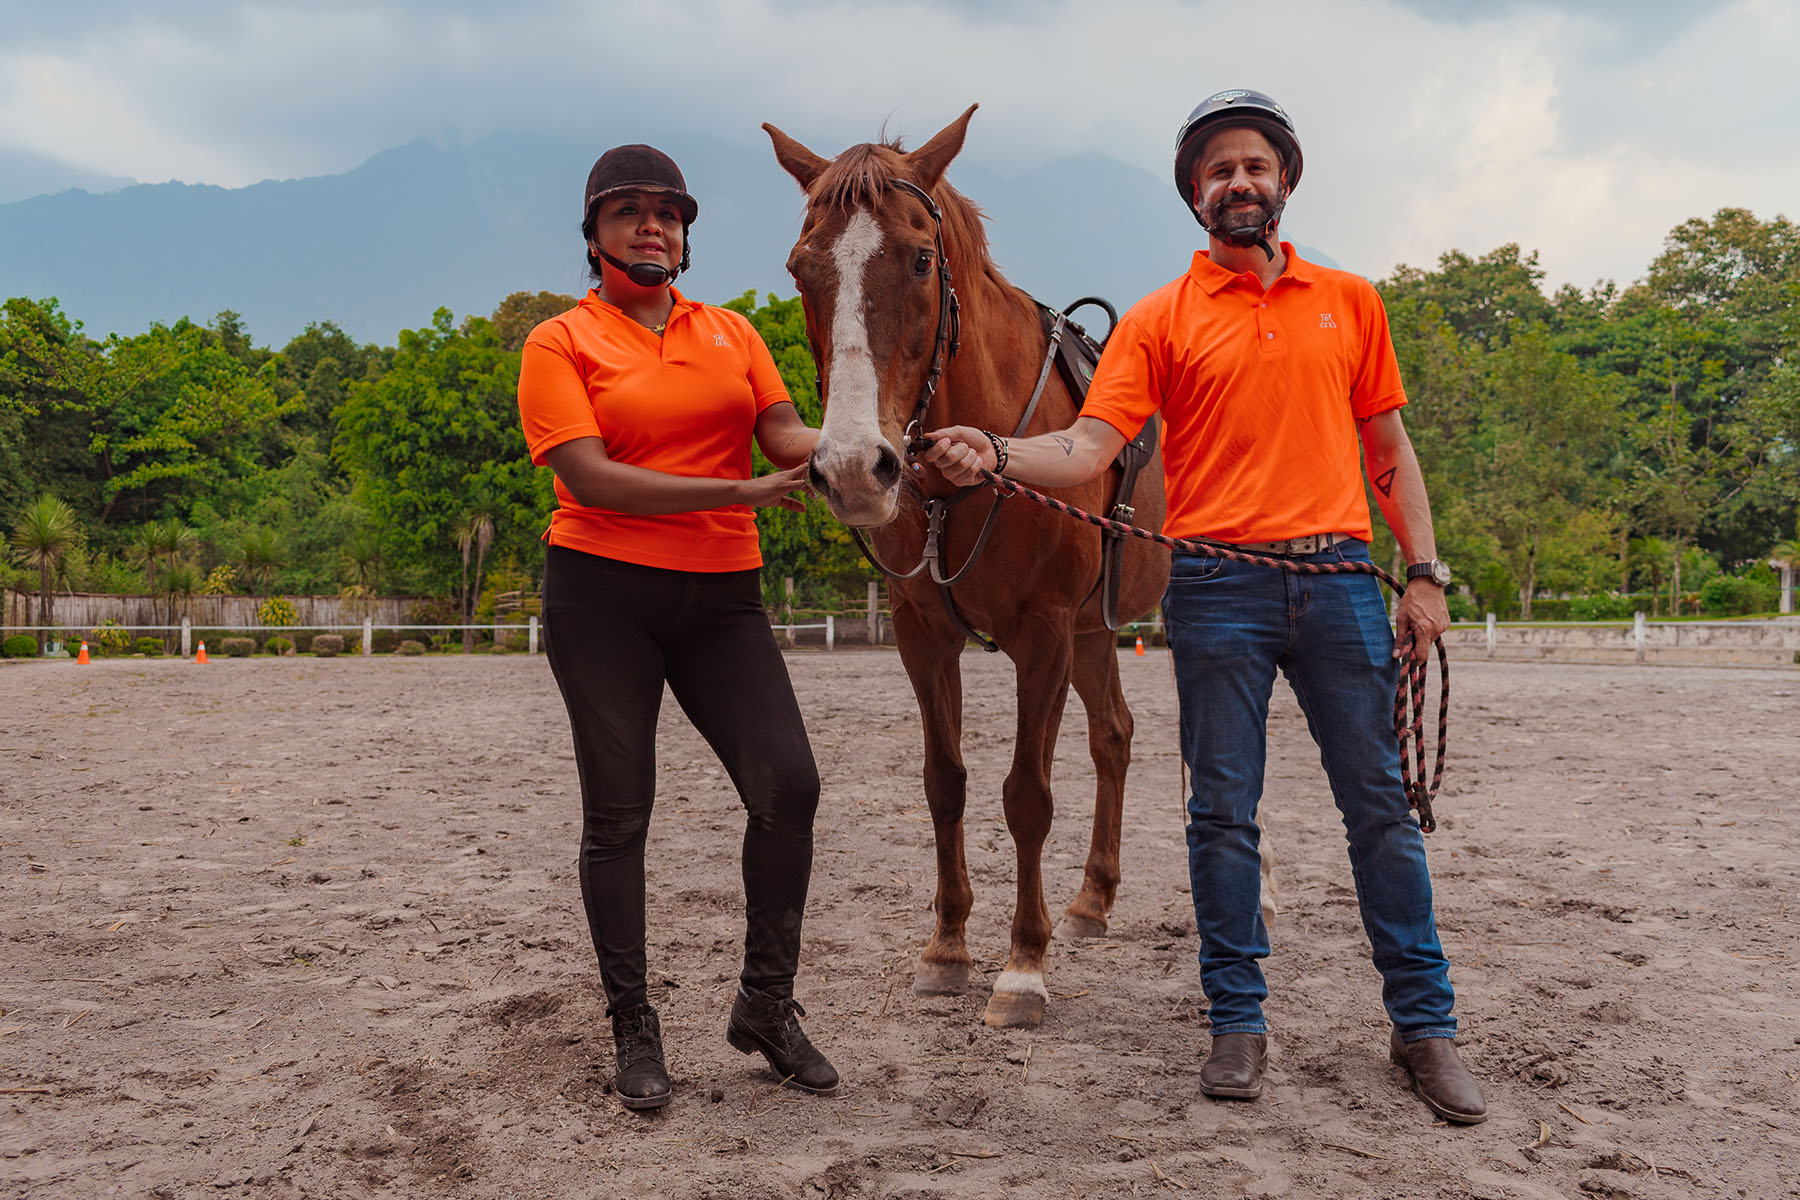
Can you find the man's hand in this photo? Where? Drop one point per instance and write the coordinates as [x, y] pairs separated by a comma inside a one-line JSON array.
[[772, 490], [1423, 615], [960, 453]]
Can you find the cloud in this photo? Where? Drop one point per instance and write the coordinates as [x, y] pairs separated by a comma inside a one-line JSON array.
[[1584, 130]]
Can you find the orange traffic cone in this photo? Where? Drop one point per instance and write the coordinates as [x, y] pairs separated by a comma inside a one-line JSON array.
[[201, 657], [83, 656], [1140, 646]]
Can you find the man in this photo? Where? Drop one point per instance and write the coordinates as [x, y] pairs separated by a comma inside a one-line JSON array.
[[1269, 371]]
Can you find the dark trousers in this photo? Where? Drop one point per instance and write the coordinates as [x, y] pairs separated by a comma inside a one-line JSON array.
[[617, 632]]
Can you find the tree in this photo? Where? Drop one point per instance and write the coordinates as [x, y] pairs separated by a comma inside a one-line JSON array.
[[42, 538], [521, 312], [261, 554], [440, 426], [1784, 556], [476, 531]]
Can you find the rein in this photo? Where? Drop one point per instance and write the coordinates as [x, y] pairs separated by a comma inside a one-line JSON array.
[[1409, 689]]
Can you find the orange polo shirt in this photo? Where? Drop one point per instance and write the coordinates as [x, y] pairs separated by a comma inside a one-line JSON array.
[[685, 403], [1260, 393]]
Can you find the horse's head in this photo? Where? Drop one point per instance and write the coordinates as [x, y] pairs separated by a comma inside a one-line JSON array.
[[878, 302]]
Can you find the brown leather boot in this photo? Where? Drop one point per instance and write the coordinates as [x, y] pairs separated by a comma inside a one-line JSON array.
[[1234, 1068], [640, 1078], [1439, 1078], [771, 1024]]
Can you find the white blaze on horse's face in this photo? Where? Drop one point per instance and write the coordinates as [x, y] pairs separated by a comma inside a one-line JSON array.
[[858, 465]]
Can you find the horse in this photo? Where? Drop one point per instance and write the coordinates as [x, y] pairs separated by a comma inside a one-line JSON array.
[[899, 349]]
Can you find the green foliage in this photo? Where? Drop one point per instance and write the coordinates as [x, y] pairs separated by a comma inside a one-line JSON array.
[[237, 647], [278, 645], [1605, 606], [1755, 591], [108, 638], [220, 581], [149, 646], [277, 610], [19, 645], [410, 647], [328, 645]]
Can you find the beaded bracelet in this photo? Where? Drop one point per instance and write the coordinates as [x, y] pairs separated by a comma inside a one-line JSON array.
[[999, 450]]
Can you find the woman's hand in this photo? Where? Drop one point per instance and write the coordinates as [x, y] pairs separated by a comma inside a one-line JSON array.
[[961, 453], [772, 490]]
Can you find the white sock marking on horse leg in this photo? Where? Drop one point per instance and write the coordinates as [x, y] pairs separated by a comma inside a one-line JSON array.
[[1022, 983], [851, 420]]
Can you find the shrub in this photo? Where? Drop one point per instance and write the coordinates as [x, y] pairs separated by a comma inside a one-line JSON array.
[[1607, 606], [410, 647], [278, 645], [277, 610], [498, 648], [1737, 596], [328, 645], [108, 638], [303, 643], [384, 641], [150, 646], [237, 647], [19, 645], [518, 640], [1461, 607], [220, 581], [1550, 608]]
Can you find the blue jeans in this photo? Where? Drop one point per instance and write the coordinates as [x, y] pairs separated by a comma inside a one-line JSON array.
[[1230, 625]]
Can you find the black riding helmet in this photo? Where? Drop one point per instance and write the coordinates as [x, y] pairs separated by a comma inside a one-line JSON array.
[[637, 168], [1236, 106]]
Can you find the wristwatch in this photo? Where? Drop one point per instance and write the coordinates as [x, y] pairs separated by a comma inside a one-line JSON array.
[[1437, 570]]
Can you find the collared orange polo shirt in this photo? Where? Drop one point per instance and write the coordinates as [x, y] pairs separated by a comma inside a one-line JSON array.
[[1260, 392], [685, 403]]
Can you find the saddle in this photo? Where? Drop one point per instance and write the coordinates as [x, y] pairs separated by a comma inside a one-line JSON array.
[[1076, 358]]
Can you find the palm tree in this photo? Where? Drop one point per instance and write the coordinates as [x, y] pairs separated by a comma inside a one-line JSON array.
[[1785, 557], [261, 553], [43, 537], [158, 541], [180, 583], [475, 530]]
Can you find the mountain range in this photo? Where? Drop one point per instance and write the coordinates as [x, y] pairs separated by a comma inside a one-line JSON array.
[[380, 247]]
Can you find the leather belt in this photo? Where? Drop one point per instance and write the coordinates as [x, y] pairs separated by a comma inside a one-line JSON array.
[[1315, 543]]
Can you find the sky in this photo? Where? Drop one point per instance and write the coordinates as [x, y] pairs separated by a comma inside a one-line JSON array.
[[1583, 130]]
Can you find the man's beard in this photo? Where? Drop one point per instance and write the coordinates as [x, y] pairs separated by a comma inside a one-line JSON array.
[[1220, 222]]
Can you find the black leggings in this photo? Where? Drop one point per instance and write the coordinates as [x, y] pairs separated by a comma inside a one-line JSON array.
[[615, 633]]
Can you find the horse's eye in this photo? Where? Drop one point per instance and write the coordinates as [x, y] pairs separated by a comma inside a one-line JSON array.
[[922, 264]]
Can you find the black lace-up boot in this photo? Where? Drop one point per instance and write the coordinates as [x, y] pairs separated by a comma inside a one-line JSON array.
[[640, 1080], [771, 1024]]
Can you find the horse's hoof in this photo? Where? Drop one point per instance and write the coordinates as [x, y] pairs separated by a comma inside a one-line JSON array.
[[1014, 1010], [1075, 925], [940, 979]]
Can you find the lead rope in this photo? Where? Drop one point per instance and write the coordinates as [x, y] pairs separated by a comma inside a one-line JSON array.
[[1409, 689]]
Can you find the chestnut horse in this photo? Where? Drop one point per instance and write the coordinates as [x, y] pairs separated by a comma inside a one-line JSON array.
[[870, 280]]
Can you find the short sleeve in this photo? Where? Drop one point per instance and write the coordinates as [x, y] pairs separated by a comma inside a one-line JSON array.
[[553, 401], [1376, 388], [766, 384], [1128, 384]]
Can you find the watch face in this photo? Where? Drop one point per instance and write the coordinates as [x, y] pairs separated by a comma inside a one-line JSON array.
[[1440, 572]]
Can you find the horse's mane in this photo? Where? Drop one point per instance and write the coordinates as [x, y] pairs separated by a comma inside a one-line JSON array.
[[861, 176]]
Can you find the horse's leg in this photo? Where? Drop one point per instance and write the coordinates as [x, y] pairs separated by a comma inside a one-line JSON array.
[[932, 658], [1042, 655], [1109, 743]]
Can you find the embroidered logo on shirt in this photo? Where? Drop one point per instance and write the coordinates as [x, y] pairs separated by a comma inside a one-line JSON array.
[[719, 340], [1325, 321]]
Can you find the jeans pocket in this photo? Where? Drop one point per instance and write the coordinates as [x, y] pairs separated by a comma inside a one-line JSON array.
[[1193, 568]]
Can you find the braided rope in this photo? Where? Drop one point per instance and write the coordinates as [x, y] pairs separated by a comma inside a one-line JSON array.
[[1409, 690]]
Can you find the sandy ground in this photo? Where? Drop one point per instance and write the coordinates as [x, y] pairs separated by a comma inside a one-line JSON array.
[[311, 928]]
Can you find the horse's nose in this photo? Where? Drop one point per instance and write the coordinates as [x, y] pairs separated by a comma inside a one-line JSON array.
[[887, 466]]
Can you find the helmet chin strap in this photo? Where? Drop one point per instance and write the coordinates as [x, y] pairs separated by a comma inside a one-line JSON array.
[[644, 274], [1242, 236]]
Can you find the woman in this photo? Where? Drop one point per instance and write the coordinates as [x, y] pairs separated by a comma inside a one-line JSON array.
[[644, 403]]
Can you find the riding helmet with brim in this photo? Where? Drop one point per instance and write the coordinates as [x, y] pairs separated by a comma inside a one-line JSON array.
[[1236, 106], [638, 168]]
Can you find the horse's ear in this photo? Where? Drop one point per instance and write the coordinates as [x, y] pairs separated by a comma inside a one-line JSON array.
[[794, 158], [929, 161]]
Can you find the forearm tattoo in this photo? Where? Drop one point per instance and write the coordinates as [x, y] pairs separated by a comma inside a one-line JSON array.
[[1384, 483], [1068, 445]]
